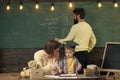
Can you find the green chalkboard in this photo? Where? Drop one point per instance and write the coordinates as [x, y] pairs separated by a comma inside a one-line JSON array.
[[31, 28], [111, 58]]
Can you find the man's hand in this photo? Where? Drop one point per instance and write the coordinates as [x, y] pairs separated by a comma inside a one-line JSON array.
[[56, 39]]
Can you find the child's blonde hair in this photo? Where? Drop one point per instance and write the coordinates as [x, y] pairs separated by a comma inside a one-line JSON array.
[[68, 48]]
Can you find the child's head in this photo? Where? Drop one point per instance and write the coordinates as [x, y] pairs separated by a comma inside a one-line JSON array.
[[69, 52], [70, 48]]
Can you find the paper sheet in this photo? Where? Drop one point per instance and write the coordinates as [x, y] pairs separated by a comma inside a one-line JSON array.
[[62, 76], [67, 75]]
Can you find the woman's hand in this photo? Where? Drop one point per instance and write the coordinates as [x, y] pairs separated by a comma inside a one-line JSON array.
[[54, 69]]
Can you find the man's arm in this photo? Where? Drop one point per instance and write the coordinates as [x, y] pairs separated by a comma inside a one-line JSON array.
[[92, 42], [70, 36]]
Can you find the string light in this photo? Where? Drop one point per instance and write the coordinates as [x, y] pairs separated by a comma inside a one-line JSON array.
[[99, 4], [8, 6], [37, 5], [115, 4], [52, 7], [70, 4], [21, 5]]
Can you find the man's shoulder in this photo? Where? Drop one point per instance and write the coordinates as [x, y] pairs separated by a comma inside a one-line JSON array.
[[75, 25], [80, 23]]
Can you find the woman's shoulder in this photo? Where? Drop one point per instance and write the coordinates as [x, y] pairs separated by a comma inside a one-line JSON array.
[[40, 52]]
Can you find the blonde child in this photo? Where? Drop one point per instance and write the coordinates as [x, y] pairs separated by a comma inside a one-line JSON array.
[[69, 64]]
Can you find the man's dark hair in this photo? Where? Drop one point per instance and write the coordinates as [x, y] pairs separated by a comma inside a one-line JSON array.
[[79, 11]]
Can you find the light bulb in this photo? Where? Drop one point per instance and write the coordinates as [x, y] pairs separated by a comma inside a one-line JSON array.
[[99, 4], [21, 7], [36, 6], [52, 7], [70, 5], [115, 4], [8, 7]]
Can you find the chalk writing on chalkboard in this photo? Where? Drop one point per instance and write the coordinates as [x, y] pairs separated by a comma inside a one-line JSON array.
[[50, 23]]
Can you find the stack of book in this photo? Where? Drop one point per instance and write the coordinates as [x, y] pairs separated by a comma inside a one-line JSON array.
[[90, 70]]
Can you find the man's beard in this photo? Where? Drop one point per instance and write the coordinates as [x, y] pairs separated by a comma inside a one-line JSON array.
[[75, 21]]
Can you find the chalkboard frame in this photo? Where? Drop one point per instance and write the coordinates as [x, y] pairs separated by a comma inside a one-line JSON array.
[[106, 54]]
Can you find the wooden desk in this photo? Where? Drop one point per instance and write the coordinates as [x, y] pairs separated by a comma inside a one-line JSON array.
[[16, 76], [115, 71], [78, 77]]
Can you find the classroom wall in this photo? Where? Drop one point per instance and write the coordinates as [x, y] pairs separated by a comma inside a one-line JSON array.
[[13, 60], [22, 33]]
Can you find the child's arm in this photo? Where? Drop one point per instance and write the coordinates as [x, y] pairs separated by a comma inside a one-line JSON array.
[[61, 66], [79, 66]]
